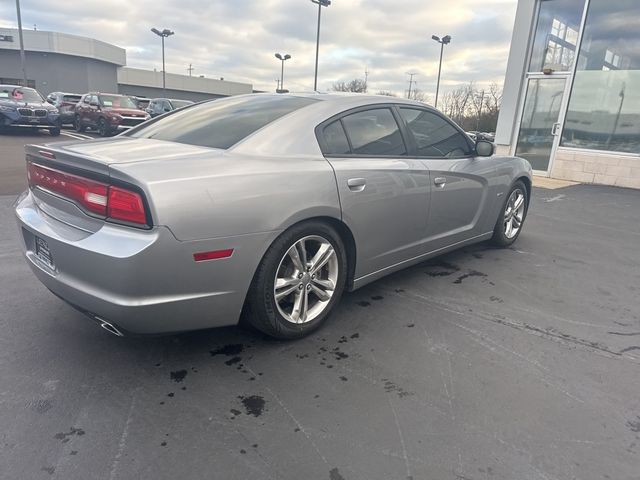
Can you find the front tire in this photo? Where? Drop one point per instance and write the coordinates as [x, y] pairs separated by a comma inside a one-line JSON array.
[[512, 216], [77, 123], [103, 128], [298, 282]]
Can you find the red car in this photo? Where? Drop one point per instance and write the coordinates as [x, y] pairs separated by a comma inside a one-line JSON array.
[[108, 113]]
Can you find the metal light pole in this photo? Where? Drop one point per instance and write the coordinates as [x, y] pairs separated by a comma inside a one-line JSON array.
[[444, 41], [22, 60], [320, 3], [163, 34], [282, 59]]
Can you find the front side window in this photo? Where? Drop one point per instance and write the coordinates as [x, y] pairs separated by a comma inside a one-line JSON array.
[[221, 123], [435, 136], [604, 107], [374, 132]]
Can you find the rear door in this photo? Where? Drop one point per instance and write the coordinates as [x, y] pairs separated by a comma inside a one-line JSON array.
[[384, 194], [459, 179]]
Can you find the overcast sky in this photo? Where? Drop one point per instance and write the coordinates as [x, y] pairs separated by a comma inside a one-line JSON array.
[[237, 39]]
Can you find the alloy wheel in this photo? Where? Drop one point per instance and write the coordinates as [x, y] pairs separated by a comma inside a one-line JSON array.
[[514, 213], [306, 279]]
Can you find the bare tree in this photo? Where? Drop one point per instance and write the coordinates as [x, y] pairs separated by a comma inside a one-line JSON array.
[[471, 109], [357, 85], [386, 93], [419, 96]]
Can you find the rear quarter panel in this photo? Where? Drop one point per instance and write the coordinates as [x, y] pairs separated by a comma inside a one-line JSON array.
[[230, 194]]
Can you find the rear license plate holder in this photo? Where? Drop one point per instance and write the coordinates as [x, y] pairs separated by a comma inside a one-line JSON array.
[[43, 252]]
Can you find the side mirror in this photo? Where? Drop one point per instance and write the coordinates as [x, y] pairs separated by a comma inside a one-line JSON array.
[[484, 148]]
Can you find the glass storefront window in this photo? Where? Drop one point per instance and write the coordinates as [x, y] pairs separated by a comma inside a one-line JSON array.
[[604, 107], [556, 36]]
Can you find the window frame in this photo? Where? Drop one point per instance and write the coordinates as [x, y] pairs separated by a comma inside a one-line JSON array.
[[435, 112], [319, 131]]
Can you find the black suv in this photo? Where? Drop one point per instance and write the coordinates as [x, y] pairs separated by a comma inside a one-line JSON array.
[[25, 107]]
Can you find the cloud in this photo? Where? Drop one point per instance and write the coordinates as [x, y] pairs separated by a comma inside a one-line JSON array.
[[237, 39]]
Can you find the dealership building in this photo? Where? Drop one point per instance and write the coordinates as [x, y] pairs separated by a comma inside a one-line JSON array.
[[59, 62], [571, 103]]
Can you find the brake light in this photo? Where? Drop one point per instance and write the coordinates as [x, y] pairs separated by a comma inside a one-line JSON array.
[[89, 194], [126, 205], [108, 201]]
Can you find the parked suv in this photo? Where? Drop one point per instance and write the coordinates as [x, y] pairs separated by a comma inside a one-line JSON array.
[[25, 107], [65, 103], [108, 113], [158, 106]]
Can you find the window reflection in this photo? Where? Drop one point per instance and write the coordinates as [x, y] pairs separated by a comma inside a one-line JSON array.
[[556, 35], [604, 108]]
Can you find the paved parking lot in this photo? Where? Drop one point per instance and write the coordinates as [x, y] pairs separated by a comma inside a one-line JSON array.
[[483, 364]]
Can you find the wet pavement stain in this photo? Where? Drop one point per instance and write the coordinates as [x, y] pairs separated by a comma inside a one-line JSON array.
[[334, 474], [634, 425], [343, 378], [391, 387], [472, 273], [170, 394], [178, 376], [343, 339], [441, 269], [254, 404], [410, 325], [363, 303], [233, 360], [65, 436], [496, 299], [228, 350], [377, 297], [163, 444], [49, 470], [355, 335]]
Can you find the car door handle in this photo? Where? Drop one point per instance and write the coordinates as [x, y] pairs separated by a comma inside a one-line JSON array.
[[440, 181], [356, 184], [555, 129]]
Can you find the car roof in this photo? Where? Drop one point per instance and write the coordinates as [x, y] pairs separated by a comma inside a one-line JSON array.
[[15, 86]]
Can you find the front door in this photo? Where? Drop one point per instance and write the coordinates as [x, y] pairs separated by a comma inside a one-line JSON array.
[[384, 195], [539, 130], [459, 179]]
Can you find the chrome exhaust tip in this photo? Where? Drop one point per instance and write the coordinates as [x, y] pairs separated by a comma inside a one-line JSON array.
[[110, 328]]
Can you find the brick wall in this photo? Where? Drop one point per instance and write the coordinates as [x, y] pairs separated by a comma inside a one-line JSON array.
[[594, 167]]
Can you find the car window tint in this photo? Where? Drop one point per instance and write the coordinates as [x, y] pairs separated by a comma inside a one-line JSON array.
[[435, 136], [221, 123], [374, 132], [335, 139]]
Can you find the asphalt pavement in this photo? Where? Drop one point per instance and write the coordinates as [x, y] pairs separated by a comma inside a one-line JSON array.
[[519, 363]]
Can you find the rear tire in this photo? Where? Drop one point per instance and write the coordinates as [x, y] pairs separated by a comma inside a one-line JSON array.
[[77, 123], [512, 216], [287, 300]]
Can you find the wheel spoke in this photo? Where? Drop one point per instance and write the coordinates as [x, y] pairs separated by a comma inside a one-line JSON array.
[[518, 203], [324, 284], [320, 293], [516, 221], [508, 228], [294, 254], [322, 256], [285, 286], [302, 252]]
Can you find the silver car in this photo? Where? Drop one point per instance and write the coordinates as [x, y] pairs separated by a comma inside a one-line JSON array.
[[269, 206]]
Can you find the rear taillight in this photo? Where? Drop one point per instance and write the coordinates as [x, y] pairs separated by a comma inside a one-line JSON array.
[[104, 200], [126, 205]]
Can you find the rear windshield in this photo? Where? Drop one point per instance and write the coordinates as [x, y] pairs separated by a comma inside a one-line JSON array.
[[221, 123], [116, 101], [71, 98]]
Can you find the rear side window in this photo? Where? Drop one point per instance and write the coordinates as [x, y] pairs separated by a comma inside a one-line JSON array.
[[335, 139], [71, 98], [374, 132], [220, 123], [435, 136]]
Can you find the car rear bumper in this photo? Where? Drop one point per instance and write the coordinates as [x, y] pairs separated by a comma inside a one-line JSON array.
[[141, 281]]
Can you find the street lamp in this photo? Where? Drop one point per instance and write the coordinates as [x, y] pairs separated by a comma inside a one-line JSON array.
[[282, 59], [22, 60], [163, 34], [444, 41], [320, 3]]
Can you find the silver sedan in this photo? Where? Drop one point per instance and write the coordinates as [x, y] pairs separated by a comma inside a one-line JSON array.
[[261, 207]]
